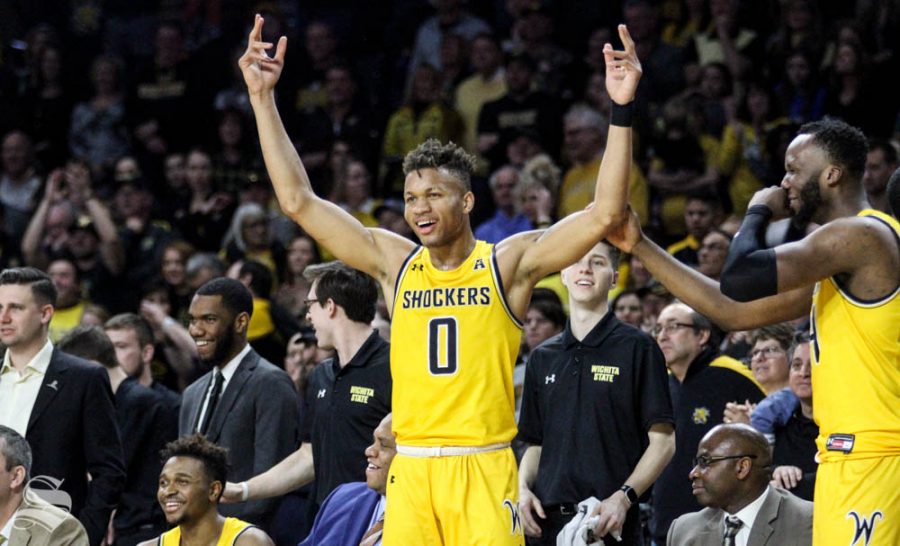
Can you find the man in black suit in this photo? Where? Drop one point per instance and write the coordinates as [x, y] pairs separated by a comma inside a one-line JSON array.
[[63, 405], [244, 403]]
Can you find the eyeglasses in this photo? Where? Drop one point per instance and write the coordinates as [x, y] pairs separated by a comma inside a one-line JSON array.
[[307, 303], [703, 461], [670, 328], [765, 352]]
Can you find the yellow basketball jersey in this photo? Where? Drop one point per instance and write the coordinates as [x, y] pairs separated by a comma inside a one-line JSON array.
[[454, 342], [855, 349], [230, 531]]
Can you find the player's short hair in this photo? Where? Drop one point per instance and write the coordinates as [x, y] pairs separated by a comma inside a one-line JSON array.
[[351, 289], [782, 332], [235, 296], [42, 288], [450, 158], [196, 446], [135, 322], [90, 343], [845, 145], [15, 450]]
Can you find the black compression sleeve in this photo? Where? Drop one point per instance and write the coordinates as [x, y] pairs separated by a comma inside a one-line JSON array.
[[750, 271]]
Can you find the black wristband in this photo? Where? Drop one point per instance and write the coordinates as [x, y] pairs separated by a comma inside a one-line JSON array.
[[621, 114], [761, 210]]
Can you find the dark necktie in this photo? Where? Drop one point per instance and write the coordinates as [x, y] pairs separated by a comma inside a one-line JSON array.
[[373, 534], [732, 525], [218, 381]]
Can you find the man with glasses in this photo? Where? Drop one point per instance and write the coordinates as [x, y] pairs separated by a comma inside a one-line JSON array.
[[730, 478], [347, 396], [701, 382]]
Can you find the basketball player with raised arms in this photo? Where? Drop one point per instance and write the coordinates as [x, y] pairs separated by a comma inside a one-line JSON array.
[[456, 307], [846, 275]]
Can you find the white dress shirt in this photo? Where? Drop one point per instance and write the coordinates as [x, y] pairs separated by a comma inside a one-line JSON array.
[[19, 390], [747, 515], [6, 531], [227, 372]]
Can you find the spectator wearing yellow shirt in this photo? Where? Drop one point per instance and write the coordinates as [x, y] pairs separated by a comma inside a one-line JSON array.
[[423, 116], [488, 83], [584, 134], [69, 302]]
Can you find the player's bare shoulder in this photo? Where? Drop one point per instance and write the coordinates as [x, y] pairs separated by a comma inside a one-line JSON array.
[[253, 536]]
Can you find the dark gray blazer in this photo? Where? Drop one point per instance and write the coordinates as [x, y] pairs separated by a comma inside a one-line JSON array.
[[783, 520], [256, 419]]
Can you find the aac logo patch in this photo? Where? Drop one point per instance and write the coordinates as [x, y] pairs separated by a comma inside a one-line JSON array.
[[479, 264], [701, 415]]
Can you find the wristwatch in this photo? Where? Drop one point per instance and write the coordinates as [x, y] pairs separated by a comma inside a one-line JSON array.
[[630, 493]]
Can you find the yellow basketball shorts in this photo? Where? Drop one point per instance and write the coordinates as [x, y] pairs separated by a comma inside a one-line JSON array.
[[463, 500], [857, 503]]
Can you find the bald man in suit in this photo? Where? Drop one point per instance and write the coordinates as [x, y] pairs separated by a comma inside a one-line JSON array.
[[731, 479]]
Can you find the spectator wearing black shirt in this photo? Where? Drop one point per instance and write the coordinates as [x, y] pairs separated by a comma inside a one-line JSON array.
[[795, 441], [521, 108], [596, 411], [701, 382], [145, 427], [347, 396]]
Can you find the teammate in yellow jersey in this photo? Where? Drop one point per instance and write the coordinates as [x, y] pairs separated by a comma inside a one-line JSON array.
[[456, 306], [846, 275], [190, 485]]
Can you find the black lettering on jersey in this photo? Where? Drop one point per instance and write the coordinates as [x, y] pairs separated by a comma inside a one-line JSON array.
[[485, 296], [865, 527], [446, 297], [472, 296]]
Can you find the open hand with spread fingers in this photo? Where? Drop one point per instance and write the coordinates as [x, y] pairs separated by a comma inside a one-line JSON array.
[[261, 72], [623, 69]]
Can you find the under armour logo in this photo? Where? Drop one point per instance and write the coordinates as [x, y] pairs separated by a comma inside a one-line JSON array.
[[864, 526], [321, 393], [479, 264], [393, 478], [515, 522], [550, 379], [417, 267], [54, 385]]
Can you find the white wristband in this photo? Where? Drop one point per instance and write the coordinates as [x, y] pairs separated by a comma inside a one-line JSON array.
[[245, 491]]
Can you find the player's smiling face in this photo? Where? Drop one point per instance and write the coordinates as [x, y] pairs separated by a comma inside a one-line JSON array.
[[437, 206], [185, 492], [804, 163]]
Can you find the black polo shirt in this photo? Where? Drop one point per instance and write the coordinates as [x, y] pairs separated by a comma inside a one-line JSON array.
[[590, 404], [699, 405], [343, 407]]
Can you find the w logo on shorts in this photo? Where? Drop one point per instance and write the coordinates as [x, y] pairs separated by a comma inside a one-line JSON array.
[[865, 527], [516, 525]]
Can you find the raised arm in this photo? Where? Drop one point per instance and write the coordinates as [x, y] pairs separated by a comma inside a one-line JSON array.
[[551, 250], [376, 252], [702, 293]]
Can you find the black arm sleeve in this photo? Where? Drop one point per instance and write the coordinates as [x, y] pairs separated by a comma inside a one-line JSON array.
[[750, 271]]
